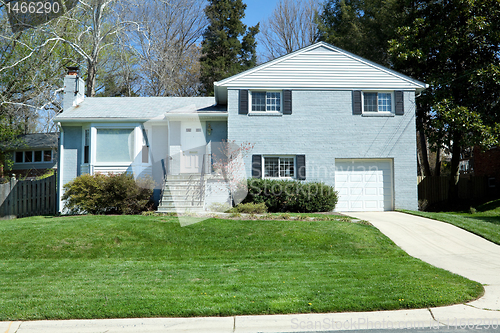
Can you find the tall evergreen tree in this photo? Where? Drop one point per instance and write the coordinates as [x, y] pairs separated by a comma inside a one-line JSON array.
[[228, 48], [363, 27]]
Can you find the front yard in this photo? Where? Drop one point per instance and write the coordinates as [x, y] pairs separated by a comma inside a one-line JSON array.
[[150, 266], [483, 220]]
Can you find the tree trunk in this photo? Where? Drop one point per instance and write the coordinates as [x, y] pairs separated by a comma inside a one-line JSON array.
[[437, 168], [423, 153], [455, 171], [91, 76]]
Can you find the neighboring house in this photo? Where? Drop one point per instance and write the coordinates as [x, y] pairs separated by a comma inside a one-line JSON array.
[[34, 154], [487, 164], [317, 114]]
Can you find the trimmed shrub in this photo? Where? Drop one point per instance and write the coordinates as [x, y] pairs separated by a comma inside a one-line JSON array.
[[219, 207], [291, 196], [108, 194], [249, 208]]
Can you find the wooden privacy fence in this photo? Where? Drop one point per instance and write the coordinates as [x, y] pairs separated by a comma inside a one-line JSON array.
[[435, 188], [28, 197]]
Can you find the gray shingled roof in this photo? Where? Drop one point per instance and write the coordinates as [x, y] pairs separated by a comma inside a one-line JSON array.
[[34, 141], [138, 107]]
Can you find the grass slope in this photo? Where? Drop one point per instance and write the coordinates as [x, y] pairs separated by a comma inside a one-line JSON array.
[[485, 222], [137, 266]]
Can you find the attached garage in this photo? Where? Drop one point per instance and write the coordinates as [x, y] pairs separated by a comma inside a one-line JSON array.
[[364, 184]]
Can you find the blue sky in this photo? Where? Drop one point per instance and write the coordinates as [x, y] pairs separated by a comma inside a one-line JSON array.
[[258, 10]]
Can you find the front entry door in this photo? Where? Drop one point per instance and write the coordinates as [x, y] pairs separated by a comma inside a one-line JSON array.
[[192, 146]]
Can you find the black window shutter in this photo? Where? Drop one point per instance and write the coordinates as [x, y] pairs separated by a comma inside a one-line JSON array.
[[256, 166], [400, 106], [287, 102], [301, 167], [243, 102], [356, 102]]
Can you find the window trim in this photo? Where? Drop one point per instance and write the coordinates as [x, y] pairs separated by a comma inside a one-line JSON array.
[[33, 151], [85, 129], [145, 145], [293, 157], [93, 143], [378, 113], [268, 113]]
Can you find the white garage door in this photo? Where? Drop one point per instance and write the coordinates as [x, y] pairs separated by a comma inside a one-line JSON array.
[[364, 184]]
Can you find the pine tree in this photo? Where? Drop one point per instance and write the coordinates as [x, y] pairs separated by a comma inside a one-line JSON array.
[[228, 48], [363, 27]]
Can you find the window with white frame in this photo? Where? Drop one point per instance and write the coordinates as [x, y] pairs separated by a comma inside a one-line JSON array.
[[266, 101], [86, 146], [115, 145], [377, 102], [279, 167]]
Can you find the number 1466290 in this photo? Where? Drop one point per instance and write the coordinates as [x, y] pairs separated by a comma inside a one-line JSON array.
[[38, 7]]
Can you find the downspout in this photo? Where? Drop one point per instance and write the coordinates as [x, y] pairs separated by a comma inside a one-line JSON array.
[[168, 158], [60, 168]]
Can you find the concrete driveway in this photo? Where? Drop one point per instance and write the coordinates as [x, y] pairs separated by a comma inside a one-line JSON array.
[[446, 246]]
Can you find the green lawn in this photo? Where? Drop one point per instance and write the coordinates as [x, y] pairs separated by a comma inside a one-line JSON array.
[[149, 266], [485, 222]]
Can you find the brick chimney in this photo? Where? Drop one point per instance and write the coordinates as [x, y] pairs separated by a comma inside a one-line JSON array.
[[74, 88]]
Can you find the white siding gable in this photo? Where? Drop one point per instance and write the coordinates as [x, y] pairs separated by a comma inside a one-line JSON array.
[[319, 66]]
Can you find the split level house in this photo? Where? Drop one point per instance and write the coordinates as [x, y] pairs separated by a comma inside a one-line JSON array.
[[319, 114]]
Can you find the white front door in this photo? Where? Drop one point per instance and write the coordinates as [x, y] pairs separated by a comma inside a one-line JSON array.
[[192, 146]]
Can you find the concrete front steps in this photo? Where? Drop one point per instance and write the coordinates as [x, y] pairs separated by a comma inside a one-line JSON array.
[[181, 194]]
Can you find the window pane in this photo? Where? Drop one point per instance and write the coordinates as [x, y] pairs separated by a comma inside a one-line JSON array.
[[273, 101], [86, 155], [19, 157], [384, 102], [258, 101], [87, 137], [47, 155], [286, 167], [145, 154], [370, 102], [38, 156], [115, 145], [28, 156], [271, 167]]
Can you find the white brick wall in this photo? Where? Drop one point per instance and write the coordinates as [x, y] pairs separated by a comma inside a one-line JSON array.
[[323, 128]]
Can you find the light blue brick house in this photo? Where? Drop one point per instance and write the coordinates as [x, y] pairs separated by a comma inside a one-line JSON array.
[[317, 114]]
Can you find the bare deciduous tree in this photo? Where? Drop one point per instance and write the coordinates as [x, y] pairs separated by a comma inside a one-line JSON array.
[[290, 27], [168, 54], [94, 25]]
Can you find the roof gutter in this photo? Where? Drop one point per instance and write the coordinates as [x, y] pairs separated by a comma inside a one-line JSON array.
[[221, 115], [103, 120]]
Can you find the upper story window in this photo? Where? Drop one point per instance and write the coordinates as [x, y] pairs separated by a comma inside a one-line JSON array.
[[377, 102], [266, 101]]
